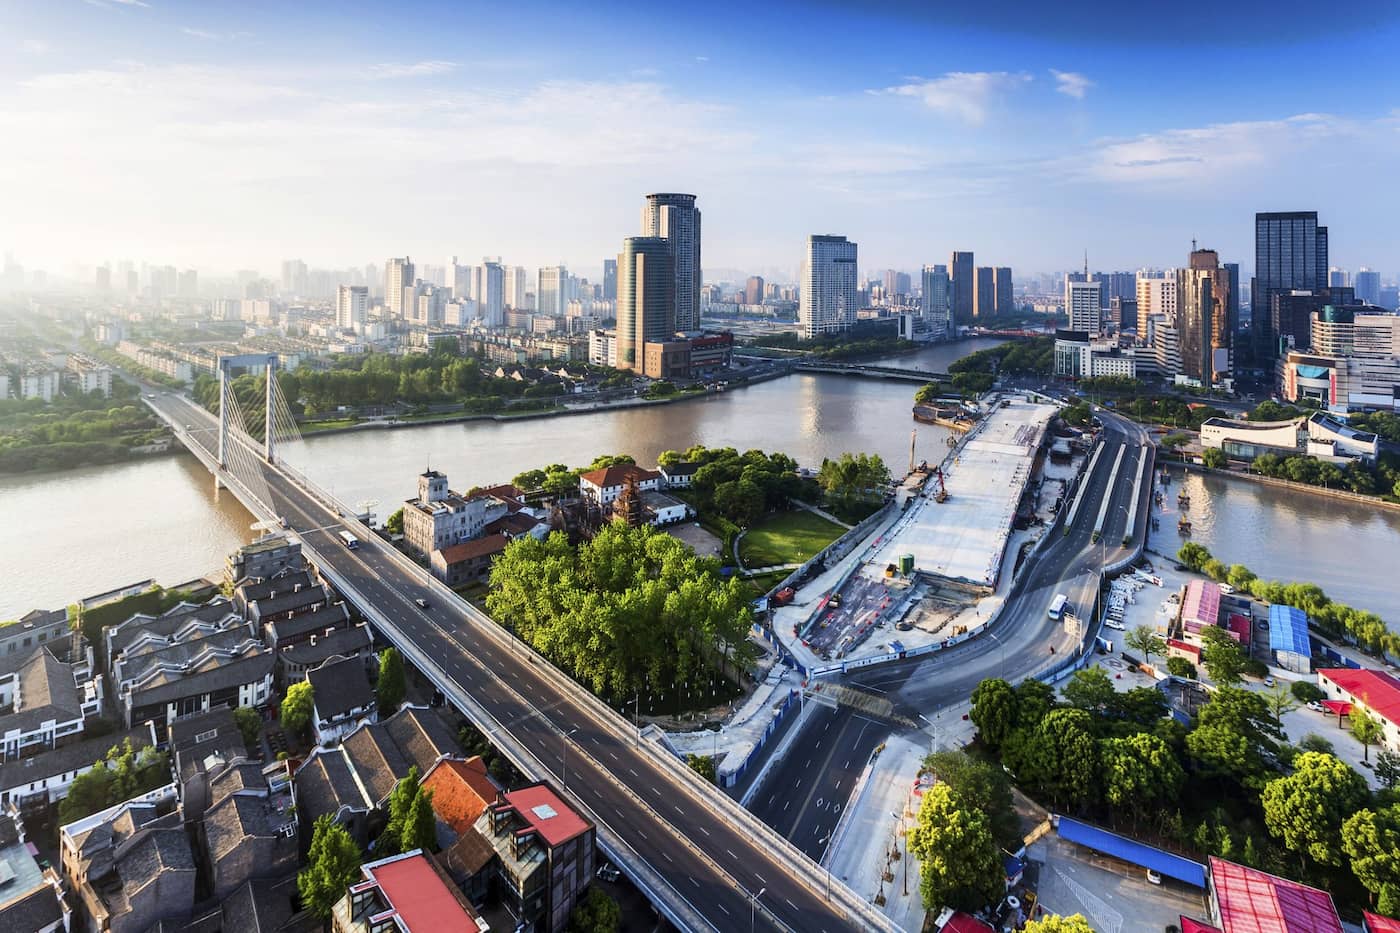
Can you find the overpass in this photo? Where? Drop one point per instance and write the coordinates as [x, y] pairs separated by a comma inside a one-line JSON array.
[[874, 372], [703, 860]]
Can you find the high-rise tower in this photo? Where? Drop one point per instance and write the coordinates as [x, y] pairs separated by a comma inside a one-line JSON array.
[[675, 218]]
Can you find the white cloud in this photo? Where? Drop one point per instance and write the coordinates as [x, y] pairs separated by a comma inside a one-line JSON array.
[[34, 46], [411, 69], [1071, 83], [199, 33], [108, 4], [702, 58], [966, 95]]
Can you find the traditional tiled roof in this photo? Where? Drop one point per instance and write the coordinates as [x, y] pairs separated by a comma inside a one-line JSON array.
[[462, 789], [618, 474], [475, 548], [340, 687]]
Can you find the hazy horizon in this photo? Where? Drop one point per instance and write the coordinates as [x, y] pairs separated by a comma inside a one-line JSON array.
[[217, 137]]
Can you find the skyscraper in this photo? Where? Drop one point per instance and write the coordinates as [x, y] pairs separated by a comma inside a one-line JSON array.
[[1368, 286], [104, 278], [1156, 295], [551, 292], [517, 288], [1203, 302], [828, 301], [1005, 298], [936, 301], [984, 297], [961, 274], [1336, 278], [676, 218], [1083, 306], [461, 279], [1290, 253], [753, 290], [609, 279], [398, 275], [490, 292], [646, 304], [351, 306]]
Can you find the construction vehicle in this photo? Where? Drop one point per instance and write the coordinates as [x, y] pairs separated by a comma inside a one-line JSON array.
[[941, 495]]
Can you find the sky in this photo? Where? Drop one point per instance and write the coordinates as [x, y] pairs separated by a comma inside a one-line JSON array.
[[234, 135]]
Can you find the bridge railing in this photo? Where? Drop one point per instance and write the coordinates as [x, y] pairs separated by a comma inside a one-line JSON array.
[[799, 866]]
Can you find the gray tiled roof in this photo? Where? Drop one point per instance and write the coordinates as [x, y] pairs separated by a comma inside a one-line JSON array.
[[265, 906], [289, 602], [339, 687], [325, 784], [32, 910], [342, 641], [19, 772], [288, 580], [211, 677], [227, 741], [46, 691], [120, 636], [303, 623]]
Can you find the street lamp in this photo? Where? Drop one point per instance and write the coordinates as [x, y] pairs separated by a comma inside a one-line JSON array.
[[753, 912], [933, 739], [566, 755], [825, 863], [1001, 646]]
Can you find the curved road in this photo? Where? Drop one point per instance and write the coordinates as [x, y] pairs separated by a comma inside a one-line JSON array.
[[803, 795]]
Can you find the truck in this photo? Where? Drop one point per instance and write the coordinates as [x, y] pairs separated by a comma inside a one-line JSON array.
[[783, 596]]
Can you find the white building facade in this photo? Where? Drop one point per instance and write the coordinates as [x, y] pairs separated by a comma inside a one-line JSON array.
[[828, 302]]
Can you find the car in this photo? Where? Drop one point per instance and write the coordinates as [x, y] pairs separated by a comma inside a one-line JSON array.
[[608, 872], [1153, 877], [421, 603], [1316, 707], [1270, 682]]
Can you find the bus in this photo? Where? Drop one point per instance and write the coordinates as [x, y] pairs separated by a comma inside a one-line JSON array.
[[1058, 606], [349, 540]]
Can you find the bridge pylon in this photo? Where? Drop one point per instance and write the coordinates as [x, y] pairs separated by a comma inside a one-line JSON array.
[[268, 361]]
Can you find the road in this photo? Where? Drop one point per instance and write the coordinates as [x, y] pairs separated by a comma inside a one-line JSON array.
[[673, 825], [803, 801]]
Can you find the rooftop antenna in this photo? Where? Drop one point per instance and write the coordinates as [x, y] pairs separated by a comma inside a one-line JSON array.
[[1193, 244], [1086, 265]]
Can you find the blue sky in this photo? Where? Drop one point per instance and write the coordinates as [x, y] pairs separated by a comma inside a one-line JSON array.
[[227, 135]]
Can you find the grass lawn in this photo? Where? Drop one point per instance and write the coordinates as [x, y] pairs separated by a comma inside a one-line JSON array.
[[311, 427], [787, 538]]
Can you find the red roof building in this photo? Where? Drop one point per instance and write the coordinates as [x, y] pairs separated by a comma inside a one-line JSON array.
[[1201, 606], [462, 790], [605, 485], [1375, 923], [1246, 900], [1195, 926], [410, 890], [1377, 691]]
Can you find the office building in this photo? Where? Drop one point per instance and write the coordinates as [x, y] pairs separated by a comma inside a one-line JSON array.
[[551, 291], [828, 300], [753, 290], [1080, 355], [609, 279], [1337, 278], [1353, 361], [1290, 253], [1082, 304], [461, 279], [1202, 299], [646, 306], [1156, 294], [398, 276], [1290, 314], [936, 301], [104, 278], [491, 292], [351, 306], [1368, 286], [676, 219], [960, 270], [1005, 300], [1123, 312], [984, 296]]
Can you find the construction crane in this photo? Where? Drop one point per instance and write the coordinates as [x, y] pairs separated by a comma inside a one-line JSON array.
[[942, 494], [362, 510]]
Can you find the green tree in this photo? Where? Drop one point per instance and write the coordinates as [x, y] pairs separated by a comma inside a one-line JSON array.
[[396, 829], [1305, 691], [1371, 840], [1142, 639], [1062, 758], [982, 786], [596, 913], [1388, 768], [960, 865], [1193, 555], [1312, 742], [927, 392], [332, 864], [1178, 666], [1140, 772], [1216, 570], [1235, 737], [297, 707], [703, 765], [1090, 688], [1240, 577], [994, 708], [1306, 809], [391, 687], [1366, 729], [1222, 655], [1034, 698], [1280, 700], [1214, 458], [249, 722], [394, 523], [419, 830], [1054, 923], [122, 774]]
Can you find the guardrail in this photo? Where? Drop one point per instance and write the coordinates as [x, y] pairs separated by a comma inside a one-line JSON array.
[[1108, 494], [1079, 490]]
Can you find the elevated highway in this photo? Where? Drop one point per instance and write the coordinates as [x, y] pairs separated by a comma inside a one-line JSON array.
[[705, 862]]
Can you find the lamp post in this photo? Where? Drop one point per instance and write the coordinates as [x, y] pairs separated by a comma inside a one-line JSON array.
[[753, 911], [1001, 646], [566, 755], [826, 864]]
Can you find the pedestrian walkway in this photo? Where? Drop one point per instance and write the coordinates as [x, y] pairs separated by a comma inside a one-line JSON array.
[[823, 513], [756, 571]]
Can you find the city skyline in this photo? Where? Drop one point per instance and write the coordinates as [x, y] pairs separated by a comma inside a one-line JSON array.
[[206, 128]]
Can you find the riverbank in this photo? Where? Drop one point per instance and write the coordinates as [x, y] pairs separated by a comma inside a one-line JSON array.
[[503, 417], [1345, 495]]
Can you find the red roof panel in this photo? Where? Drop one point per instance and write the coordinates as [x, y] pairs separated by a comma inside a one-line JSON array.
[[1253, 901], [1195, 926], [421, 897], [535, 805], [1378, 924], [1379, 690]]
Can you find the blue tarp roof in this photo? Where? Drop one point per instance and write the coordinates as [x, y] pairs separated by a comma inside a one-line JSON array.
[[1288, 630], [1130, 850]]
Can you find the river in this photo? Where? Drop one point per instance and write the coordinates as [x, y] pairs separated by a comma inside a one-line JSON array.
[[84, 531]]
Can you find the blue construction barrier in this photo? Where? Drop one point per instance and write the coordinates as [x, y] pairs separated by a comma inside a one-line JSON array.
[[729, 779]]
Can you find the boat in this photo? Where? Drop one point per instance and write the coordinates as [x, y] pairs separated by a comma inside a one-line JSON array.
[[1183, 527], [1183, 501]]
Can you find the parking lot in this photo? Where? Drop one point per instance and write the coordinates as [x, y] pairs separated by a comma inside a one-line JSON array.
[[1113, 896]]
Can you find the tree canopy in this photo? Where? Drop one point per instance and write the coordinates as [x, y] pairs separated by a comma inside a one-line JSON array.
[[124, 773], [1307, 809], [332, 864], [960, 865], [296, 707], [632, 611], [391, 688], [1054, 923]]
